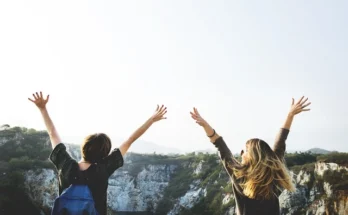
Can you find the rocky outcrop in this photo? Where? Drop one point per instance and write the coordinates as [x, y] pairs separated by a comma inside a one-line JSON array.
[[178, 184], [143, 191], [42, 187], [191, 197], [322, 167], [313, 196], [139, 193]]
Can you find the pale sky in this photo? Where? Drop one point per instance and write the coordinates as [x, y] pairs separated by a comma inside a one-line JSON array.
[[107, 64]]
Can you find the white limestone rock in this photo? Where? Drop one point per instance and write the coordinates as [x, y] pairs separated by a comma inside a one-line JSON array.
[[140, 193], [42, 186]]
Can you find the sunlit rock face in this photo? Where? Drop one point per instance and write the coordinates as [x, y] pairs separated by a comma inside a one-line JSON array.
[[42, 187], [152, 182], [191, 197], [141, 192], [322, 167], [140, 187], [313, 195]]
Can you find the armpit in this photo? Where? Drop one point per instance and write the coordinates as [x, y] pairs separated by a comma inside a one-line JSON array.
[[226, 156]]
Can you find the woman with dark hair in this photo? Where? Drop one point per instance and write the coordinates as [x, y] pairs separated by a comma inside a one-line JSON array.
[[260, 177], [97, 163]]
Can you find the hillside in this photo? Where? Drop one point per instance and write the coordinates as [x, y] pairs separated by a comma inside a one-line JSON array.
[[318, 151], [194, 183]]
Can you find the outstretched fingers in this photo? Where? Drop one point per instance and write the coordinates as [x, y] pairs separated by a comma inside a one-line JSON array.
[[304, 104], [39, 100], [299, 101], [160, 112], [163, 113], [37, 96], [300, 105], [164, 117], [304, 101], [194, 116], [195, 110], [303, 108]]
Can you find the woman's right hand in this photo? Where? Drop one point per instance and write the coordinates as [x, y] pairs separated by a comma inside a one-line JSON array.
[[198, 118]]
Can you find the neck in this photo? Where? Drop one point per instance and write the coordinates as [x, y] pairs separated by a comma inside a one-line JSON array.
[[83, 161]]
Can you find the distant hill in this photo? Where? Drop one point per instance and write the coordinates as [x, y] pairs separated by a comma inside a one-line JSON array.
[[145, 147], [318, 151]]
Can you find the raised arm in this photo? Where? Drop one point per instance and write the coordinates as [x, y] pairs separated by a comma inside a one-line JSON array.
[[209, 131], [296, 108], [157, 116], [225, 154], [40, 102]]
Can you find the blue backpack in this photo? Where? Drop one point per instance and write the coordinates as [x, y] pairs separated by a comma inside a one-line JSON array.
[[77, 199]]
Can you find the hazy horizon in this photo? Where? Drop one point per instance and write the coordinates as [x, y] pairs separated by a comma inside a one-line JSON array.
[[106, 65]]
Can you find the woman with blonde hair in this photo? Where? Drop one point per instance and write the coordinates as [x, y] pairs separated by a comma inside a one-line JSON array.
[[258, 180]]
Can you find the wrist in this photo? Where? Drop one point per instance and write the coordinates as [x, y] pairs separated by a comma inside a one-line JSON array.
[[43, 109], [150, 121], [291, 115], [212, 134], [205, 125]]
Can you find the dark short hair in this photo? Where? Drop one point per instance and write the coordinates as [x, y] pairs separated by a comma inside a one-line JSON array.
[[95, 147]]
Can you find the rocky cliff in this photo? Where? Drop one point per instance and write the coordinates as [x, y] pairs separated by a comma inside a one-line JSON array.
[[142, 188], [193, 183]]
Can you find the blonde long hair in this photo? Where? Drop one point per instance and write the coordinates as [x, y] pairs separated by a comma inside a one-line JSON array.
[[263, 172]]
